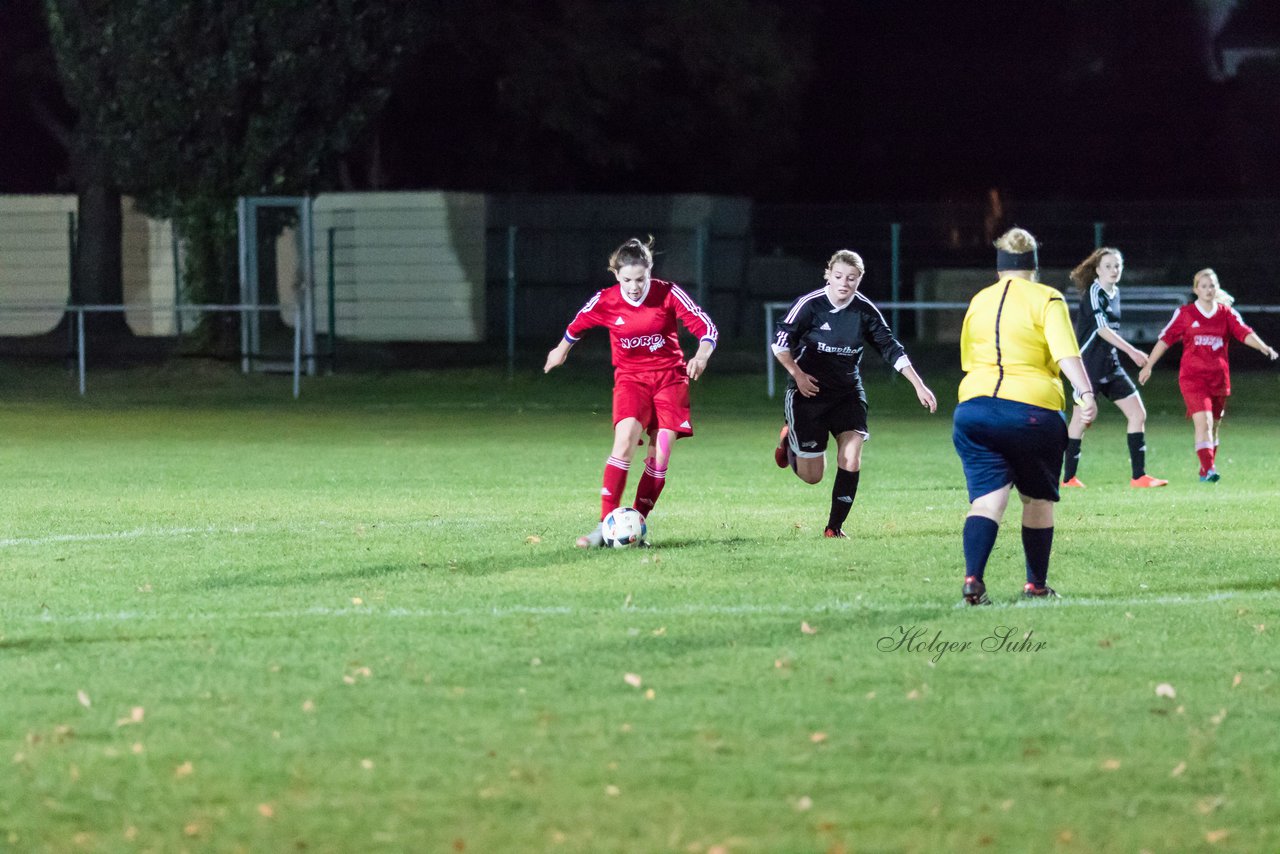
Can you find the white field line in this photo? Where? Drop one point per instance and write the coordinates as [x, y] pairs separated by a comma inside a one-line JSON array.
[[135, 534], [689, 610]]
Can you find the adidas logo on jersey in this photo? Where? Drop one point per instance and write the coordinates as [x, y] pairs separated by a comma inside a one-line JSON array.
[[619, 322], [826, 327], [687, 424], [1195, 324]]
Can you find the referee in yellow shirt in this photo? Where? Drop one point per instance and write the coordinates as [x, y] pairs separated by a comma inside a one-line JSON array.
[[1009, 428]]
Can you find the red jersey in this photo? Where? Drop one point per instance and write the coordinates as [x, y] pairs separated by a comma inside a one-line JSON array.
[[1204, 344], [643, 337]]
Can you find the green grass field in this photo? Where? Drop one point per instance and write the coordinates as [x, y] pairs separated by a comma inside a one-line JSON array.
[[232, 621]]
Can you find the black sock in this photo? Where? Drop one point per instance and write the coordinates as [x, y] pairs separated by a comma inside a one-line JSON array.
[[1137, 453], [979, 539], [842, 495], [1036, 544], [1071, 461]]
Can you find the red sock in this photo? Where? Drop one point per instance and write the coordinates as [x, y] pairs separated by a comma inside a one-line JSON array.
[[615, 481], [651, 483], [1206, 459]]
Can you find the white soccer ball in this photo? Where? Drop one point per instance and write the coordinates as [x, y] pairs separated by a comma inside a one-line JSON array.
[[624, 527]]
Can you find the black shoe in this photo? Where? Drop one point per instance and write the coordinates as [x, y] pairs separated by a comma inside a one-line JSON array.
[[974, 592], [1044, 591]]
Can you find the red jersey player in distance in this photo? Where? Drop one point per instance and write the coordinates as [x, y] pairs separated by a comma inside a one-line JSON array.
[[1205, 327], [650, 378]]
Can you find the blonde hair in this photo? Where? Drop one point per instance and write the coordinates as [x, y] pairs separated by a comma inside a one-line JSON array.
[[1087, 270], [847, 256], [634, 251], [1017, 241], [1221, 296]]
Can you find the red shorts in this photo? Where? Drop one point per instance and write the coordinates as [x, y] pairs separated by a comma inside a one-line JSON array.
[[654, 398], [1203, 397]]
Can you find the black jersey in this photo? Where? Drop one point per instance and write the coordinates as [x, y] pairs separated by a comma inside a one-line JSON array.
[[827, 342], [1098, 311]]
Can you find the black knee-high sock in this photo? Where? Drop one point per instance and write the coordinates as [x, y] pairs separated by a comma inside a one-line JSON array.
[[1037, 543], [1071, 460], [979, 539], [842, 495], [1137, 453]]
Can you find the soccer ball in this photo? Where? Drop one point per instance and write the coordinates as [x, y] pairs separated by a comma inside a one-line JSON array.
[[624, 526]]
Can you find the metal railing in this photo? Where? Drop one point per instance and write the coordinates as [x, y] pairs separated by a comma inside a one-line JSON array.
[[243, 309]]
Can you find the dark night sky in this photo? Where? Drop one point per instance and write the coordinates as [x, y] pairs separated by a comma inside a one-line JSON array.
[[910, 101]]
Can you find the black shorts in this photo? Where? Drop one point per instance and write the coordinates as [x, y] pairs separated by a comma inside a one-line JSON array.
[[811, 420], [1108, 379]]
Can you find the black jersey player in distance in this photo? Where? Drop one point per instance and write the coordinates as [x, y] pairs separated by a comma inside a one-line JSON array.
[[820, 342]]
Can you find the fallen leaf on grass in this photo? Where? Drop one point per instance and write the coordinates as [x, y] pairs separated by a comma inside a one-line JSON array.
[[136, 714], [533, 540], [1213, 837], [1111, 765], [184, 770], [308, 706], [1178, 770], [366, 764], [356, 600], [1235, 683], [84, 699], [649, 695], [808, 629], [804, 803], [632, 679], [1217, 719], [1164, 689], [266, 811], [818, 737], [612, 790]]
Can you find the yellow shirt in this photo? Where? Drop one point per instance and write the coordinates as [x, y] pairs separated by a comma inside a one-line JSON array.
[[1014, 334]]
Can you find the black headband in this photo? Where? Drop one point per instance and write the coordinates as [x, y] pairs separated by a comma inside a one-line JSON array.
[[1017, 260]]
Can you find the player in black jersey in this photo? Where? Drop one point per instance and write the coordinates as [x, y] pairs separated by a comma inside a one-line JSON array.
[[820, 342], [1097, 279]]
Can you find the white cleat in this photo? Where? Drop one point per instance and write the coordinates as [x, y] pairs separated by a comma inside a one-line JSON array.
[[592, 540]]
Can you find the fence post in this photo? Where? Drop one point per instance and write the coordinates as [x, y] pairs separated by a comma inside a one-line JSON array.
[[80, 346], [511, 301], [701, 239], [333, 306], [297, 349], [895, 271]]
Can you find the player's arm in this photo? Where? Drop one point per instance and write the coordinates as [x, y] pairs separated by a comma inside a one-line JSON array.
[[1252, 340], [698, 363], [791, 329], [1156, 353], [558, 354], [586, 318], [926, 397], [1113, 338], [1085, 400], [1172, 332]]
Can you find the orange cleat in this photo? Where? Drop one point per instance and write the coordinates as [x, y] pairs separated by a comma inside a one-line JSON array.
[[834, 533], [1147, 482], [1075, 483], [780, 452]]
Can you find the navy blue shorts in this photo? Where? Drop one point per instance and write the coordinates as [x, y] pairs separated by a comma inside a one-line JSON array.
[[1004, 441]]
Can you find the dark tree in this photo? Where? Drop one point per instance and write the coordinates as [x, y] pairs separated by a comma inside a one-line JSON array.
[[187, 104]]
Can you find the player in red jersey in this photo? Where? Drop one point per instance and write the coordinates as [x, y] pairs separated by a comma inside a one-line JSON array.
[[650, 377], [1204, 327]]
